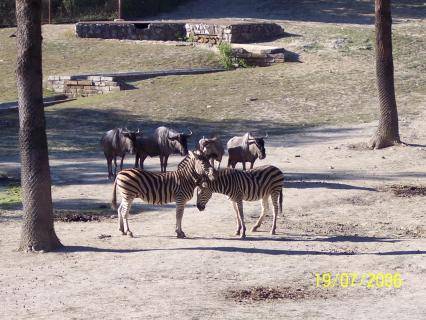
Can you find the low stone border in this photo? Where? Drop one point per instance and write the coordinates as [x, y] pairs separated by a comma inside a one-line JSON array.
[[87, 85], [83, 85]]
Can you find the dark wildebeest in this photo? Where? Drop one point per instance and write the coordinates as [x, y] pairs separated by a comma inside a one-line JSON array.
[[163, 143], [116, 143], [245, 149], [212, 148]]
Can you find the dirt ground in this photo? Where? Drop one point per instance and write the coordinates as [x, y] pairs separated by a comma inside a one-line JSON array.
[[344, 206], [338, 217]]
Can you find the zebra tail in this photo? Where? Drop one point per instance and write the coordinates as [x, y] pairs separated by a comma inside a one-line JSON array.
[[281, 201], [114, 196]]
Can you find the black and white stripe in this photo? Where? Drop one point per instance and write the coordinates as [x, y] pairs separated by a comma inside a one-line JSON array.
[[160, 188], [259, 183]]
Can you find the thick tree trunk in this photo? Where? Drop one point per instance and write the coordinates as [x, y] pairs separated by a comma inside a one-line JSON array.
[[37, 228], [387, 133]]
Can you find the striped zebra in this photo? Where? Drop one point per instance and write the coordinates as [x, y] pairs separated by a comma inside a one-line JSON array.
[[259, 183], [160, 187]]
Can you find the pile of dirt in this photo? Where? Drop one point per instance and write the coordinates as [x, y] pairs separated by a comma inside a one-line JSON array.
[[76, 217], [269, 293], [407, 191]]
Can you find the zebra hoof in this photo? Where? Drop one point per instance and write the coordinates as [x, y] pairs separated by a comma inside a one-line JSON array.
[[130, 234]]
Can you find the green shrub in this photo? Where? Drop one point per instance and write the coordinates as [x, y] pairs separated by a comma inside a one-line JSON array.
[[227, 59]]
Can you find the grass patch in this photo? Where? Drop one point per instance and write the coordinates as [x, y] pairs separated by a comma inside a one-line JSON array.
[[10, 194]]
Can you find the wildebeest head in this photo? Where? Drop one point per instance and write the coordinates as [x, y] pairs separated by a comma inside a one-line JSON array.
[[202, 167], [129, 140], [209, 147], [257, 144], [180, 141]]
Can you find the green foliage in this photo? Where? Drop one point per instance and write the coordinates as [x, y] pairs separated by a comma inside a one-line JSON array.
[[227, 58]]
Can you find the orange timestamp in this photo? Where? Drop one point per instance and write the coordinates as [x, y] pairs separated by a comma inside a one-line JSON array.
[[355, 279]]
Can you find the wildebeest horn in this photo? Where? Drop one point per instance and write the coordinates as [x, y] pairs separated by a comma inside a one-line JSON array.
[[266, 135], [190, 133]]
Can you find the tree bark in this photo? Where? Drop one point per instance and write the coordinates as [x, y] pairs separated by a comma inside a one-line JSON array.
[[387, 133], [37, 229]]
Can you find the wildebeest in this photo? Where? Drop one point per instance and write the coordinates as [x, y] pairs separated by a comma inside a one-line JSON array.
[[163, 143], [245, 149], [116, 143], [212, 148]]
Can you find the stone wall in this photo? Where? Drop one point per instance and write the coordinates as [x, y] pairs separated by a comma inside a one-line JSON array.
[[83, 85], [177, 31], [131, 31]]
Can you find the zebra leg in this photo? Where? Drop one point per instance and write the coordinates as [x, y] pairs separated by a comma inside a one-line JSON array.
[[124, 212], [241, 218], [179, 214], [120, 220], [234, 204], [265, 209], [275, 197]]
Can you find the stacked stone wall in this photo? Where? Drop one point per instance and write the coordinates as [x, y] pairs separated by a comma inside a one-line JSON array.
[[83, 86]]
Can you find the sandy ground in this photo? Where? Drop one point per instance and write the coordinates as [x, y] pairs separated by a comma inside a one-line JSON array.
[[336, 219]]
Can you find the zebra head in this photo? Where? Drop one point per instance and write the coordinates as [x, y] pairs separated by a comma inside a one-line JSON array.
[[204, 194]]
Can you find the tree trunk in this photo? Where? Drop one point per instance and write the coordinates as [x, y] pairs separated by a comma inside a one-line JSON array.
[[387, 133], [37, 228]]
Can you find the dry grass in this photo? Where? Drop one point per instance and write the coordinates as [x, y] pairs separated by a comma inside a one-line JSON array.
[[335, 83]]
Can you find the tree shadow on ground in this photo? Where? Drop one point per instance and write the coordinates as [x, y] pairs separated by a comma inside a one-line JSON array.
[[77, 249], [326, 11], [326, 185], [307, 238]]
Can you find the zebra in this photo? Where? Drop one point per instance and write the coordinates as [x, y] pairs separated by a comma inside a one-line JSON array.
[[160, 187], [259, 183]]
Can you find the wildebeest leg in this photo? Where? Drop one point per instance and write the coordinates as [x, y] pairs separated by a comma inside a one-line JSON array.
[[179, 214], [244, 165], [161, 162], [115, 166], [122, 159], [251, 164], [142, 160], [234, 205], [109, 164], [241, 218], [166, 158], [137, 160], [265, 209], [124, 210], [275, 197]]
